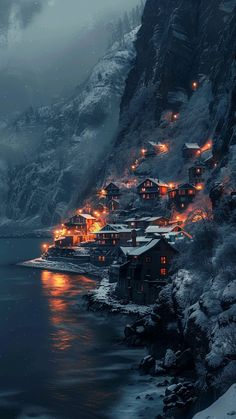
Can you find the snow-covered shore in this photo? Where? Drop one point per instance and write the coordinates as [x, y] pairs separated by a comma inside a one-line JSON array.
[[61, 266], [104, 297]]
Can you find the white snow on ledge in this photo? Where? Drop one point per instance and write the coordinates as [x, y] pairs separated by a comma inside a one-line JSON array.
[[223, 408], [59, 266], [104, 294]]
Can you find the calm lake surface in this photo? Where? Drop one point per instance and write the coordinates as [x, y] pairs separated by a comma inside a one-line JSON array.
[[56, 359]]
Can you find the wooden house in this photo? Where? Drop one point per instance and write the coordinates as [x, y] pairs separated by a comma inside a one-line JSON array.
[[151, 189], [145, 271], [113, 235], [191, 151], [78, 228], [182, 196], [112, 191], [197, 173]]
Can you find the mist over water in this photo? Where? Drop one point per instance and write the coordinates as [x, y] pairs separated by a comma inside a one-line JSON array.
[[47, 47]]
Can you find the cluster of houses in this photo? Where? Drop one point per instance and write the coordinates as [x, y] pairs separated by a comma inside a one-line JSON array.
[[139, 251]]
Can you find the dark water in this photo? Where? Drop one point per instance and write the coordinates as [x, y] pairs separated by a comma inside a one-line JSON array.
[[56, 359]]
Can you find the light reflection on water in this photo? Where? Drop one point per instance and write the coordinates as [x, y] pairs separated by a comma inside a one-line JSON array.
[[56, 359], [59, 291]]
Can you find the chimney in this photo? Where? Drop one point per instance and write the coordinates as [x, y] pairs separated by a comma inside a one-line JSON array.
[[134, 238]]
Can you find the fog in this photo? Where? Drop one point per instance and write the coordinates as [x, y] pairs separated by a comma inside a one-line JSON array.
[[47, 47]]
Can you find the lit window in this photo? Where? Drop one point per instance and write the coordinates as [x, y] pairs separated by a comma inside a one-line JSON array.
[[101, 258], [191, 192], [163, 260], [163, 272], [148, 259]]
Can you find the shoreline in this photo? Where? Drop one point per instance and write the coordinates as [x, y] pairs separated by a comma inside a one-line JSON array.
[[66, 267]]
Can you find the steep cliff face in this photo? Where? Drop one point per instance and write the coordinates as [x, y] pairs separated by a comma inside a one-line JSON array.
[[52, 156], [182, 41]]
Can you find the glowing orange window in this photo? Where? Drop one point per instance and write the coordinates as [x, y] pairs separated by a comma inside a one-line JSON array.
[[163, 271], [163, 260]]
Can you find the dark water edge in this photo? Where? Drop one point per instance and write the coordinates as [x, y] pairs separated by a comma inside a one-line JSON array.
[[57, 360]]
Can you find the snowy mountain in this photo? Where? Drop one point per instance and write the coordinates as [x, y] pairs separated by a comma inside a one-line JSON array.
[[53, 155]]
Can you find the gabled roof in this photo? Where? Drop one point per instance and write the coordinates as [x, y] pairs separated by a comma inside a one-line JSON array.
[[157, 182], [161, 230], [87, 216], [186, 186], [111, 184], [193, 146], [117, 228], [130, 220], [138, 251], [157, 218]]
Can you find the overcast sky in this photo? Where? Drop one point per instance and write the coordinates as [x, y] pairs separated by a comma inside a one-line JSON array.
[[40, 37]]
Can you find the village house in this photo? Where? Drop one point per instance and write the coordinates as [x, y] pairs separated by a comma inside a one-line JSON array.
[[145, 271], [151, 149], [112, 191], [151, 189], [182, 196], [196, 174], [76, 230], [113, 235], [191, 151]]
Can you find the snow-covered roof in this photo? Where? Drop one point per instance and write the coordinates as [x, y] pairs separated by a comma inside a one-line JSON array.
[[161, 230], [138, 251], [156, 218], [111, 184], [87, 216], [158, 182], [193, 146], [186, 186], [130, 220], [118, 228], [153, 144]]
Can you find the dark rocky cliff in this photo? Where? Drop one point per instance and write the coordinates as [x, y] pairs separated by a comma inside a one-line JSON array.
[[182, 41]]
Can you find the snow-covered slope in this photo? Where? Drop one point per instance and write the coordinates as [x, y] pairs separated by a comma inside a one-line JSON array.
[[54, 154], [223, 408], [181, 41]]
